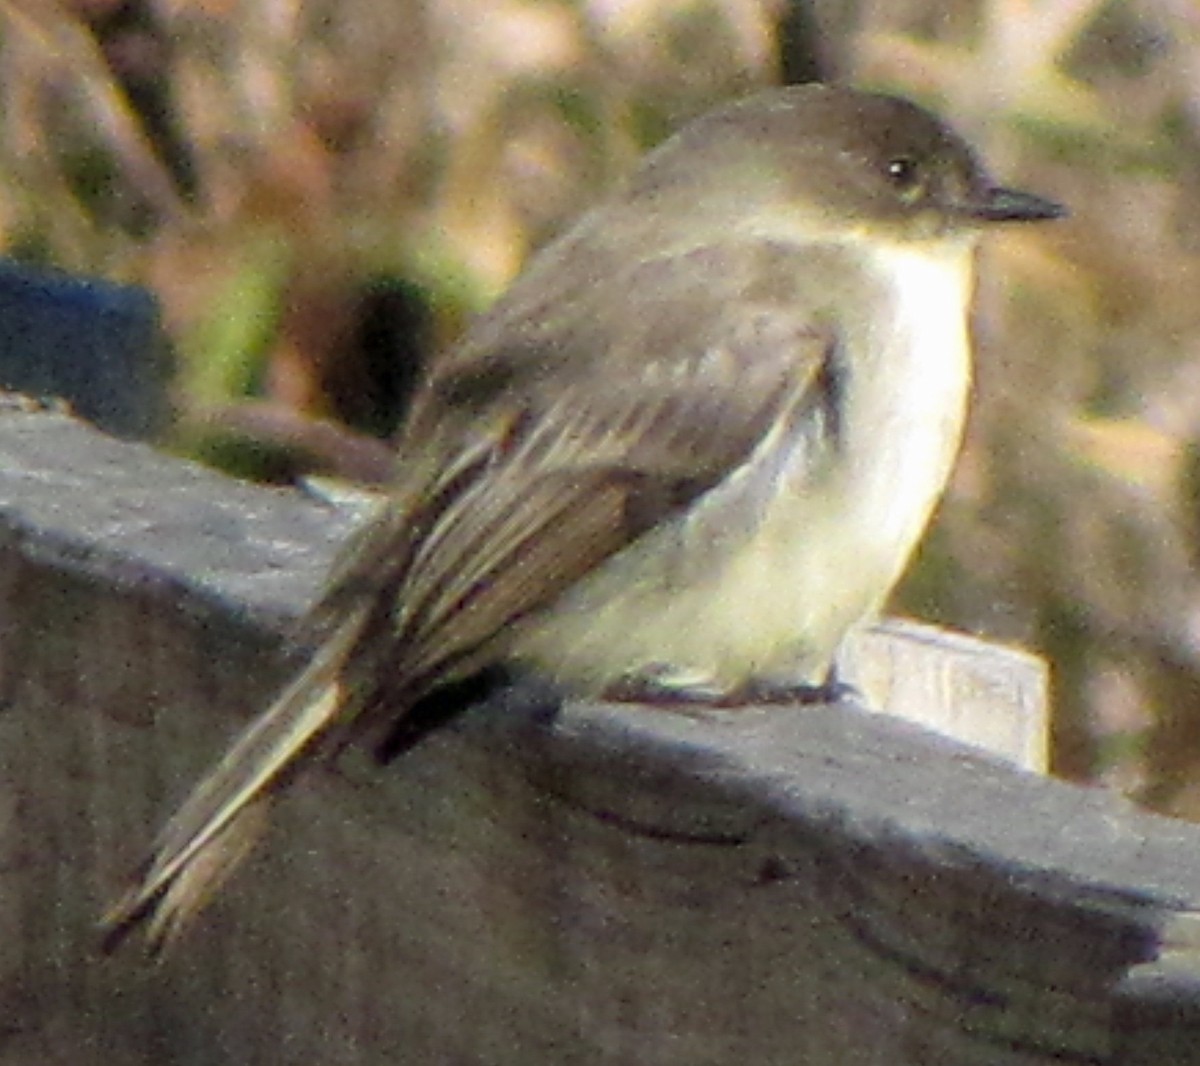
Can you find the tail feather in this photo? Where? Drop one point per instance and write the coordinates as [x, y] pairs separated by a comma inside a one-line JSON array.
[[165, 906], [222, 818]]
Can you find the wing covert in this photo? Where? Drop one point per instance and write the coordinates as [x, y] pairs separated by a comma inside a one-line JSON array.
[[544, 449]]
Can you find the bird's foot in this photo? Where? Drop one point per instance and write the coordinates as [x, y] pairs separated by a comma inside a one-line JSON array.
[[664, 690], [831, 690]]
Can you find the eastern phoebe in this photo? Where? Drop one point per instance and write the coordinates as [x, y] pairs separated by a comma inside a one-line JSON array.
[[693, 445]]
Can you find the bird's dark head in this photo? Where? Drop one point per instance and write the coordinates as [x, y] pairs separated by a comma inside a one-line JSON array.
[[836, 159]]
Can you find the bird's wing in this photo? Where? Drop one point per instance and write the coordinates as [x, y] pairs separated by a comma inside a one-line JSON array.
[[551, 471], [536, 456]]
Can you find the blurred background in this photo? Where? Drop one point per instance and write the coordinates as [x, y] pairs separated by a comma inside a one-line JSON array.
[[320, 193]]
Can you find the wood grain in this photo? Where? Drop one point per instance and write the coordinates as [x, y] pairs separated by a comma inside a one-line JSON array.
[[595, 884]]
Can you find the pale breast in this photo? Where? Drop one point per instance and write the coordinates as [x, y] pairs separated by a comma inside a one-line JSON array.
[[834, 519]]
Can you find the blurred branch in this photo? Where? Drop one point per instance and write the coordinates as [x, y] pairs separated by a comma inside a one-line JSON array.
[[76, 58]]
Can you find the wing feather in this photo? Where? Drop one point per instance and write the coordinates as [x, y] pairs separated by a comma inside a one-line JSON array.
[[580, 466], [543, 447]]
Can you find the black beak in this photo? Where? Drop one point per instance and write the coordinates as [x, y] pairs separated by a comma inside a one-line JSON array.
[[1009, 205]]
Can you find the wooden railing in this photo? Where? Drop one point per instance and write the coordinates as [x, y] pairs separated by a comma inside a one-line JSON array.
[[602, 885]]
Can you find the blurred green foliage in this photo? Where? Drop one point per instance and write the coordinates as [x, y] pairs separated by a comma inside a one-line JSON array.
[[266, 166]]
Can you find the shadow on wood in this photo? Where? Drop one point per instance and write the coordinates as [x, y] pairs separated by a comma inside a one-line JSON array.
[[604, 885]]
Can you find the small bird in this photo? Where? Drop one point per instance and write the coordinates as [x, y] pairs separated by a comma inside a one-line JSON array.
[[693, 445]]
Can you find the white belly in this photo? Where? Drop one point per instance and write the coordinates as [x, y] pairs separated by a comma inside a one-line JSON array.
[[775, 598]]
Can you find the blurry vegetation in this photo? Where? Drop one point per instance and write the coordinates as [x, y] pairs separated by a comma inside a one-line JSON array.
[[321, 192]]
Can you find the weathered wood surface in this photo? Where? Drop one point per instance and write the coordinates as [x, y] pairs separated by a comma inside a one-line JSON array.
[[983, 694], [605, 886]]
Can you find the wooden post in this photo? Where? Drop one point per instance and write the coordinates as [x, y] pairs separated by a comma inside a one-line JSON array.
[[604, 885]]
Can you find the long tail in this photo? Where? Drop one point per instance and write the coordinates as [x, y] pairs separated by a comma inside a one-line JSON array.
[[220, 821]]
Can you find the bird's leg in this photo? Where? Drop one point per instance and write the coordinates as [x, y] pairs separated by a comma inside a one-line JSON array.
[[831, 690], [663, 690]]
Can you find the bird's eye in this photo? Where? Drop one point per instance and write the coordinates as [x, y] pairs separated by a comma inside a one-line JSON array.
[[905, 176]]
